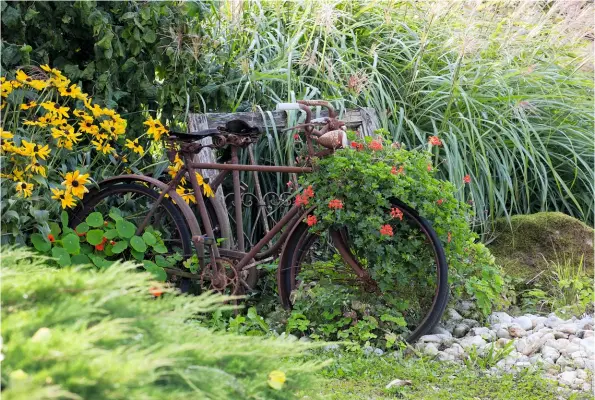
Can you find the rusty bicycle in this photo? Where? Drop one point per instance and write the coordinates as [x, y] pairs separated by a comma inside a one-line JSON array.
[[230, 266]]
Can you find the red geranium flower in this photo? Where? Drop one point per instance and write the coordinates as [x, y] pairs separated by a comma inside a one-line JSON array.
[[335, 204], [375, 145], [51, 238], [386, 230], [435, 141], [301, 200], [396, 171], [396, 213], [440, 201], [311, 220], [357, 146], [296, 136], [101, 245], [309, 192], [155, 291], [467, 179], [429, 167]]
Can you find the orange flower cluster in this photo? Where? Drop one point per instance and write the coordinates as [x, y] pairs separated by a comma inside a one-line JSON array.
[[435, 141], [311, 220], [335, 204], [304, 199], [375, 145], [396, 213], [386, 230]]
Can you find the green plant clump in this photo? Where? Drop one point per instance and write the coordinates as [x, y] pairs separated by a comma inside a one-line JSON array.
[[364, 184], [75, 333]]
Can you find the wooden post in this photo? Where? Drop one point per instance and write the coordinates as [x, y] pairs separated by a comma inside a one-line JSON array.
[[197, 122]]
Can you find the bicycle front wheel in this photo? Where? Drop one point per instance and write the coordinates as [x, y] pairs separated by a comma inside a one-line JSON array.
[[408, 307], [134, 203]]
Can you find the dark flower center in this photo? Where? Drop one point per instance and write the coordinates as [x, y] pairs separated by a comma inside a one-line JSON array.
[[61, 197], [36, 148], [88, 124], [68, 90], [28, 79], [23, 185], [57, 106], [75, 183]]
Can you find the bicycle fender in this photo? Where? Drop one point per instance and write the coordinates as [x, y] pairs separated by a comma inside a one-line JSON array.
[[185, 208]]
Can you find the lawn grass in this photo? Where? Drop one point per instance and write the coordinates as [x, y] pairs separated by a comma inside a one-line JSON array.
[[355, 376]]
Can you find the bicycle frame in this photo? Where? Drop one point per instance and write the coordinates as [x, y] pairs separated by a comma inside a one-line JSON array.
[[291, 219]]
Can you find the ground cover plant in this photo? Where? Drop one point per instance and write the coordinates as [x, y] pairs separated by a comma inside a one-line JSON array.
[[118, 334]]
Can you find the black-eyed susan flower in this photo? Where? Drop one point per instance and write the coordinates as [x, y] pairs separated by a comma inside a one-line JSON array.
[[24, 189], [186, 194], [134, 146], [29, 149], [65, 197], [52, 71], [75, 183], [6, 134], [37, 84], [80, 114], [55, 109], [65, 144], [207, 190], [36, 168], [87, 126], [104, 147], [70, 91], [5, 88], [26, 106], [113, 129], [17, 174], [41, 122], [156, 128]]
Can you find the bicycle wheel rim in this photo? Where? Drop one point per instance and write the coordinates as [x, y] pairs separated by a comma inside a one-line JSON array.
[[428, 315]]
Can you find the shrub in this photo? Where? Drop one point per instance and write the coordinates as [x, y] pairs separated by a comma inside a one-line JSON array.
[[78, 333]]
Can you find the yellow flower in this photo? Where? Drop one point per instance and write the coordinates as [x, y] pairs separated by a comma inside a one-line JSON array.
[[18, 375], [57, 121], [36, 168], [29, 105], [199, 178], [112, 128], [70, 91], [95, 109], [55, 109], [64, 144], [75, 183], [108, 112], [41, 121], [5, 89], [277, 379], [187, 194], [134, 146], [33, 150], [24, 189], [206, 188], [65, 198], [60, 82], [9, 147], [104, 147], [81, 113], [88, 127], [2, 105], [18, 174], [156, 128], [6, 134], [15, 84], [53, 71], [34, 83]]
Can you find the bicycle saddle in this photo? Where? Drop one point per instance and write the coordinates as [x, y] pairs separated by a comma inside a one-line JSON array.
[[236, 127]]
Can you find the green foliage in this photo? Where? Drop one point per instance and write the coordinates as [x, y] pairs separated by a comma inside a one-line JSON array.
[[488, 357], [366, 182], [79, 333], [120, 52], [566, 288], [112, 239], [357, 377]]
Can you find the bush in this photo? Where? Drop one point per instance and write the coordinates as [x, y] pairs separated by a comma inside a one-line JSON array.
[[115, 333]]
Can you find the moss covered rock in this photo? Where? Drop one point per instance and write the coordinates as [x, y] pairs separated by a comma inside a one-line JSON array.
[[523, 245]]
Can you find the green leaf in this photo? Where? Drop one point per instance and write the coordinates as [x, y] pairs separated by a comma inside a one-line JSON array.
[[119, 247], [95, 219], [82, 228], [138, 244], [149, 36], [40, 243], [125, 228], [157, 271], [149, 238], [99, 261], [111, 234], [139, 256], [160, 248], [95, 236], [72, 244], [115, 213], [55, 229], [162, 261], [62, 256], [80, 259], [64, 219]]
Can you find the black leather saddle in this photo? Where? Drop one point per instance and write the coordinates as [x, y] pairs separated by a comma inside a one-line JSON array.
[[235, 127]]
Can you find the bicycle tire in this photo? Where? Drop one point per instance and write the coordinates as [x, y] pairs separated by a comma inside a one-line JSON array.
[[301, 240]]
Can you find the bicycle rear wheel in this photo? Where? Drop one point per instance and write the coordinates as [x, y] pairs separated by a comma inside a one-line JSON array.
[[134, 201], [416, 299]]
